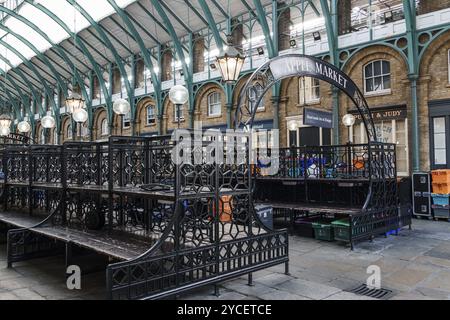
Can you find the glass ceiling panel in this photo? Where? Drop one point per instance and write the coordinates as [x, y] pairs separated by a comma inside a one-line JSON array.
[[28, 33], [75, 21], [19, 46], [53, 30], [97, 9]]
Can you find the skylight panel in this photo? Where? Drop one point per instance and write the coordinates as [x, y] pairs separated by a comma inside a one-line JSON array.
[[98, 9], [28, 33], [19, 46], [53, 30]]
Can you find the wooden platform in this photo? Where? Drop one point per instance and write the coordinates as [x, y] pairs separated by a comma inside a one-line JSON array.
[[117, 244], [316, 208]]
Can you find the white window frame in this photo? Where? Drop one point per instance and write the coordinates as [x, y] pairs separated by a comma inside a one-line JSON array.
[[69, 132], [175, 116], [55, 137], [42, 137], [214, 103], [126, 121], [150, 120], [363, 135], [104, 127], [309, 88], [253, 97], [373, 76]]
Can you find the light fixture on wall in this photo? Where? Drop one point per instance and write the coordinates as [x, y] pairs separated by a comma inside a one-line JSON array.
[[178, 95], [5, 125], [260, 51], [317, 36], [293, 43], [213, 66]]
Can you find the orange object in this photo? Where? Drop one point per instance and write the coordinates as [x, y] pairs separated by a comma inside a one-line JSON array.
[[441, 176], [358, 163], [225, 211], [441, 188]]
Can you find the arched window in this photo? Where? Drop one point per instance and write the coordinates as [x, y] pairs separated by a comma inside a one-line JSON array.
[[69, 132], [215, 104], [84, 130], [42, 136], [309, 89], [175, 115], [126, 121], [257, 91], [55, 137], [377, 77], [151, 115], [104, 127]]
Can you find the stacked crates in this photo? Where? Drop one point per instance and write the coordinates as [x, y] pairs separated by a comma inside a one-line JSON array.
[[441, 193]]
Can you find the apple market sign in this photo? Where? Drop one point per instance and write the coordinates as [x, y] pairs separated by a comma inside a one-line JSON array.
[[297, 65]]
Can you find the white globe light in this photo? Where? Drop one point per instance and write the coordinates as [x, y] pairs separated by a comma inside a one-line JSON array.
[[24, 127], [48, 122], [80, 115], [178, 95], [349, 120], [5, 131], [121, 107]]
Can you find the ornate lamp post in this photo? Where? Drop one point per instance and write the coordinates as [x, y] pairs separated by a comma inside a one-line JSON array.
[[178, 95], [349, 121], [48, 122], [121, 107], [80, 116]]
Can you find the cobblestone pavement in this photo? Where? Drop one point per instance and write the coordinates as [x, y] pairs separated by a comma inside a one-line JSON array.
[[415, 265]]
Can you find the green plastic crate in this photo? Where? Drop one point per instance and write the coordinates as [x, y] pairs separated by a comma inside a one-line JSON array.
[[341, 230], [323, 231]]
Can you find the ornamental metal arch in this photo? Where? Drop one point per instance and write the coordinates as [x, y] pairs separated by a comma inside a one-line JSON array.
[[298, 65]]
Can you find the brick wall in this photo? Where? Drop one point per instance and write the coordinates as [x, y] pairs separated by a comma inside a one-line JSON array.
[[427, 6], [199, 51], [284, 23], [345, 16], [166, 64]]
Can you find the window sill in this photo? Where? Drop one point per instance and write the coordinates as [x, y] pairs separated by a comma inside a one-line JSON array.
[[214, 116], [176, 121], [309, 103], [150, 124], [377, 93]]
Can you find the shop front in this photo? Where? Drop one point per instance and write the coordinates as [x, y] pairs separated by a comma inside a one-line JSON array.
[[301, 134], [391, 124]]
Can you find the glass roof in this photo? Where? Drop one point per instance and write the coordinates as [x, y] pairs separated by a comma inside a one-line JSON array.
[[62, 9]]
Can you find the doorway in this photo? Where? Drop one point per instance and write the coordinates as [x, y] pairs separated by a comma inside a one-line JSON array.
[[440, 135], [301, 135]]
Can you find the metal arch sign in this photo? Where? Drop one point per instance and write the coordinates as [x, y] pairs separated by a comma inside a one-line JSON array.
[[297, 65]]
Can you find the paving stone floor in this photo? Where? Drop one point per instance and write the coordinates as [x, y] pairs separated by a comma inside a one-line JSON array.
[[415, 265]]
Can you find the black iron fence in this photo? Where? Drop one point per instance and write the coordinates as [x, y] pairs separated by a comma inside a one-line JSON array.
[[191, 222]]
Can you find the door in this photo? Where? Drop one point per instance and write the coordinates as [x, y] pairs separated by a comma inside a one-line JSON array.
[[309, 136], [440, 142]]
